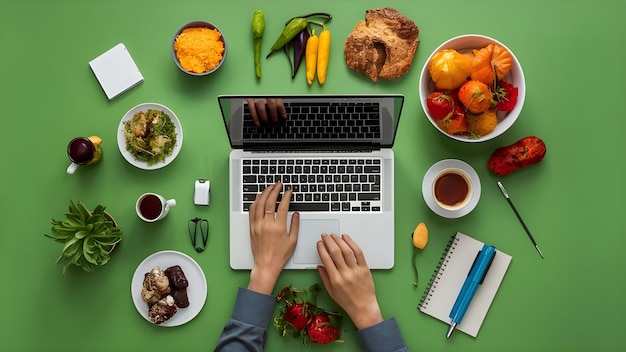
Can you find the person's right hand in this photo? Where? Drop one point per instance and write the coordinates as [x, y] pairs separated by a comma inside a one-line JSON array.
[[348, 279], [259, 109]]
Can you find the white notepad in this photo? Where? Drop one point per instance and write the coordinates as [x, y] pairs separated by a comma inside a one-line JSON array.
[[116, 71], [449, 276]]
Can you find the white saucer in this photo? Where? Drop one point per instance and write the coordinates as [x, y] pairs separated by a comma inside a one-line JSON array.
[[429, 178], [196, 291]]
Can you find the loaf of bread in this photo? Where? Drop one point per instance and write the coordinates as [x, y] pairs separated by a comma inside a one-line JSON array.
[[383, 45]]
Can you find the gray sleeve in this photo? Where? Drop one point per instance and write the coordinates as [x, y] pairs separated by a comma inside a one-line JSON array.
[[247, 328], [382, 337]]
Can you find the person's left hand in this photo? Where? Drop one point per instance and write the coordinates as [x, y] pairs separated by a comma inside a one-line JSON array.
[[272, 245], [263, 111]]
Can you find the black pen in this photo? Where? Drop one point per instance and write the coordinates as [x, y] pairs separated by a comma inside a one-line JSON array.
[[506, 195]]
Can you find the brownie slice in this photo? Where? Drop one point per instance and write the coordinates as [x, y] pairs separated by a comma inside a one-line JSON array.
[[162, 310]]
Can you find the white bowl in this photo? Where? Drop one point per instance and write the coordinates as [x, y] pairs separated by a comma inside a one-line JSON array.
[[465, 43]]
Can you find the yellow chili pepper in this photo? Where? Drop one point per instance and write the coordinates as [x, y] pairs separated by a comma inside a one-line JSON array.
[[322, 55], [419, 239], [312, 45]]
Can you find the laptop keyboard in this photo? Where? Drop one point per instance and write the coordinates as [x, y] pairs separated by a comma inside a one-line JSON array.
[[320, 120], [332, 184]]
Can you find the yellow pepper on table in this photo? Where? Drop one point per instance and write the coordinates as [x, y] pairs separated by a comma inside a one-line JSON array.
[[323, 53], [317, 53], [312, 45]]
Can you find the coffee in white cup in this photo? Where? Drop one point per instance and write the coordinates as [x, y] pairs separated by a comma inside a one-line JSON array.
[[452, 189], [152, 207]]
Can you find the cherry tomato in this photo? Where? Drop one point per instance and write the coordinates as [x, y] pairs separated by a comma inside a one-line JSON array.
[[456, 123], [506, 95], [440, 105]]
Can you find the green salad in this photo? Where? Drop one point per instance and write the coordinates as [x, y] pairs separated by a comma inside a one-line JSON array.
[[150, 136]]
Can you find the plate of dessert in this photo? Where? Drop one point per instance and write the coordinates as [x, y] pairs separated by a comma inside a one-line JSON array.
[[168, 288]]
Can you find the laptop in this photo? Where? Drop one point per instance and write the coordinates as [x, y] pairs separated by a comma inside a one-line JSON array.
[[334, 152]]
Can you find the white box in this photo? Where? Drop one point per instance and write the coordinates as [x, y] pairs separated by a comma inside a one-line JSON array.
[[116, 71]]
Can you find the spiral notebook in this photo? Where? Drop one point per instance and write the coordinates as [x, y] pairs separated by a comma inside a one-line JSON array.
[[449, 276]]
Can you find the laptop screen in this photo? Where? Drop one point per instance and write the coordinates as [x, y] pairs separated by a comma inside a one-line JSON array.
[[288, 122]]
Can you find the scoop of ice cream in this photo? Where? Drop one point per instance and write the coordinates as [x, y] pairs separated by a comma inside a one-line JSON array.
[[155, 285], [163, 310]]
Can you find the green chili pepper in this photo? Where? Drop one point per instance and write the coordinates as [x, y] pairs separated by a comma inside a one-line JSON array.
[[258, 28], [292, 29]]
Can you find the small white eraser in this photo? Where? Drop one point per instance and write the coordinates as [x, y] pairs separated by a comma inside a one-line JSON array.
[[202, 192], [116, 71]]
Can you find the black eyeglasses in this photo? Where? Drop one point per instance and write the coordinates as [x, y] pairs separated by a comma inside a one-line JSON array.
[[192, 227]]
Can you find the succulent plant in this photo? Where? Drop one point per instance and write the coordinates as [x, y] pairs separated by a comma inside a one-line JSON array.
[[88, 237]]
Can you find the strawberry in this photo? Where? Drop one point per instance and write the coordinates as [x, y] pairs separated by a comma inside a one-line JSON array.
[[323, 329], [526, 151], [298, 315]]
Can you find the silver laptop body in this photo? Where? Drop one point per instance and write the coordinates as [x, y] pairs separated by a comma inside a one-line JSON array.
[[284, 149]]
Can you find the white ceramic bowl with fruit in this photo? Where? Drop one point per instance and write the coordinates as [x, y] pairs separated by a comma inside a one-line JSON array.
[[454, 63]]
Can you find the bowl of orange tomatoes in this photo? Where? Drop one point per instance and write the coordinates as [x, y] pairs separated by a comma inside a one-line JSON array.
[[472, 88]]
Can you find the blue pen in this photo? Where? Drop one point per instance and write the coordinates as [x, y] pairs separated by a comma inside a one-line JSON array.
[[474, 279]]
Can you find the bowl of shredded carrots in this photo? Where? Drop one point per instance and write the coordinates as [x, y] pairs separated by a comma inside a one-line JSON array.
[[199, 48]]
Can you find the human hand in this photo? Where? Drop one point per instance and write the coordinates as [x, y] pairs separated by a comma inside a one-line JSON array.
[[348, 279], [272, 245], [259, 109]]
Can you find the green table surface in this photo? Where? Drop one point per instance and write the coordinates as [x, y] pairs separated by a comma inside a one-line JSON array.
[[572, 53]]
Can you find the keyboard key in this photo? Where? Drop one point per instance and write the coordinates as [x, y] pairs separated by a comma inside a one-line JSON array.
[[369, 196], [249, 179], [249, 197], [310, 206], [250, 188]]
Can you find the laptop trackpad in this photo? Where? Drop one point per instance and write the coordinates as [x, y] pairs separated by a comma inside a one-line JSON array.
[[310, 232]]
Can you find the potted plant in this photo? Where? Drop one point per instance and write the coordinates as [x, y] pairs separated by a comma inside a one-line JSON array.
[[88, 237]]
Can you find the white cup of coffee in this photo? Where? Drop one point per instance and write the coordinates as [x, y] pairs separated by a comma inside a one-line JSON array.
[[452, 189], [152, 207]]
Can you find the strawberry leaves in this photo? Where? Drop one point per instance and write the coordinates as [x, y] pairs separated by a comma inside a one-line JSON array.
[[299, 316]]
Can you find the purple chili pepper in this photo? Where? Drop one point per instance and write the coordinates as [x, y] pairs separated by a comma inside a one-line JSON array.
[[299, 48]]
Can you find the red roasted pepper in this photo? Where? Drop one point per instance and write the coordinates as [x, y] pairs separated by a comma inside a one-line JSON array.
[[527, 151]]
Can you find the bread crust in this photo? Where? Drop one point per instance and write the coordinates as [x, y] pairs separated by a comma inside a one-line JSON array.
[[382, 45]]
